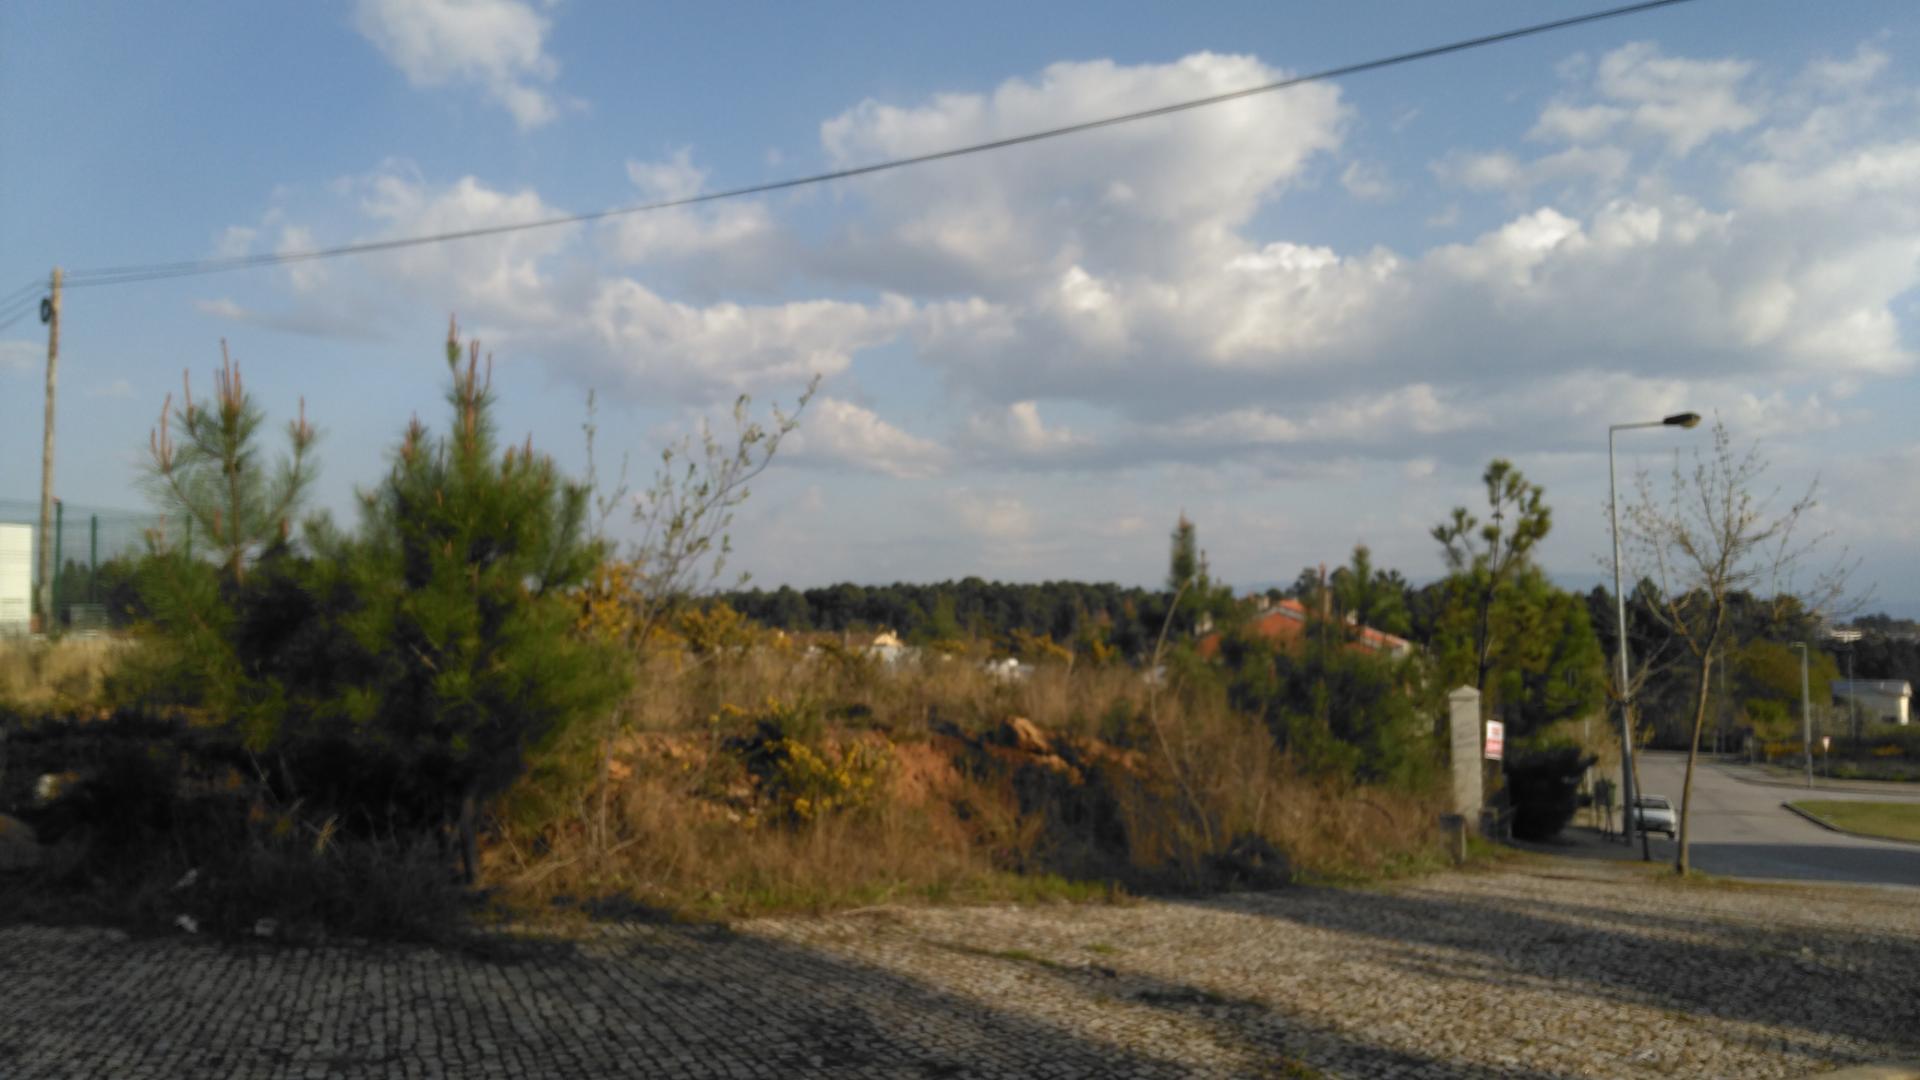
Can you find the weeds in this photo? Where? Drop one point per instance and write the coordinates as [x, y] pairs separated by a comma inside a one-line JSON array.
[[71, 672], [783, 779], [761, 780]]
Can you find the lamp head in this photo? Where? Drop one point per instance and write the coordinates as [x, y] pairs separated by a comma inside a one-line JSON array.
[[1683, 420]]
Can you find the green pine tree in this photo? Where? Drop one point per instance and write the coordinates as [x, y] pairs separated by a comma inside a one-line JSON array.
[[213, 480], [217, 493], [466, 566]]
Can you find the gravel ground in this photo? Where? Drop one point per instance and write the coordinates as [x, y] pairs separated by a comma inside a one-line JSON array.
[[1549, 968]]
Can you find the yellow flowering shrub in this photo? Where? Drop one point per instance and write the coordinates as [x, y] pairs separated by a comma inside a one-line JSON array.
[[797, 775], [716, 628], [605, 612]]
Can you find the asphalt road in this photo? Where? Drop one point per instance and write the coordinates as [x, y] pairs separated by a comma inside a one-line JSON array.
[[1740, 829]]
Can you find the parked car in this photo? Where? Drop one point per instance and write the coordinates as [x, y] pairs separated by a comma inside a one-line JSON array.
[[1653, 813]]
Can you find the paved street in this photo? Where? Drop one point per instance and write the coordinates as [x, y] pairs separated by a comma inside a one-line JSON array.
[[1740, 829], [1549, 968]]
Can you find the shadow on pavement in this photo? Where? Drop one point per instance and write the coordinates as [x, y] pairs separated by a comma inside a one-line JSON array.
[[1819, 981], [1281, 1043], [639, 1001], [1843, 863], [1877, 865]]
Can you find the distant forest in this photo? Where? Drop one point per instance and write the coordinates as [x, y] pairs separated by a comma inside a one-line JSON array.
[[1129, 616]]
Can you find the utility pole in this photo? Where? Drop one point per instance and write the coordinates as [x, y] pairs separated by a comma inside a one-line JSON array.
[[49, 314]]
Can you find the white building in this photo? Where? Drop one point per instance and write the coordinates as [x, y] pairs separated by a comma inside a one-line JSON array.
[[889, 650], [1878, 700], [16, 579]]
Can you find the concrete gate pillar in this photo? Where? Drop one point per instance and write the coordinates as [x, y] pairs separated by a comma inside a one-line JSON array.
[[1465, 745]]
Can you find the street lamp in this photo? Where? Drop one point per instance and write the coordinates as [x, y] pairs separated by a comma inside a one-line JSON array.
[[1679, 420], [1806, 712]]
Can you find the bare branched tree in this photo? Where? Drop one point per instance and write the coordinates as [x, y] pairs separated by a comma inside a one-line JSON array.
[[1714, 533], [684, 517]]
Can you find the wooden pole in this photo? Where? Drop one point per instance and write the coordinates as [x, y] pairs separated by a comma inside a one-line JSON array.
[[46, 461]]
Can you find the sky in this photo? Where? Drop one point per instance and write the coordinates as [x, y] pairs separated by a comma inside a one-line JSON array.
[[1306, 319]]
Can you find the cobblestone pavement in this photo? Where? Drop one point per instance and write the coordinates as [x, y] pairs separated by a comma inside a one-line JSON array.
[[1549, 968]]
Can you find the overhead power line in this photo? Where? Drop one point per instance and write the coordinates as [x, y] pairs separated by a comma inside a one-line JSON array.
[[37, 285], [124, 275], [9, 320]]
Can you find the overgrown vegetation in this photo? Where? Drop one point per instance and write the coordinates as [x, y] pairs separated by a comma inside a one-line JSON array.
[[344, 729]]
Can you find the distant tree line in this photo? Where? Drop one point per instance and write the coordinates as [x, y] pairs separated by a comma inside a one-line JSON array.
[[1127, 618]]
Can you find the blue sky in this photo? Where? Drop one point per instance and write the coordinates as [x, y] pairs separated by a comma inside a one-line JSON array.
[[1307, 319]]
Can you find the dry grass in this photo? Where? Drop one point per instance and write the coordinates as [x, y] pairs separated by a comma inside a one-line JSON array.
[[1137, 795], [1144, 790], [69, 672]]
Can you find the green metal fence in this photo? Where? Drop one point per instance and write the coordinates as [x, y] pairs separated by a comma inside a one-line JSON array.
[[95, 550]]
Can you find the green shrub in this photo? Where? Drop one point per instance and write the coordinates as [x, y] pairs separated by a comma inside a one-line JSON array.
[[1544, 785], [1339, 712], [395, 680]]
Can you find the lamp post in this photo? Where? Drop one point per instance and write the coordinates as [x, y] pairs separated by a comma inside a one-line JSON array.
[[1853, 709], [1680, 420], [1806, 712]]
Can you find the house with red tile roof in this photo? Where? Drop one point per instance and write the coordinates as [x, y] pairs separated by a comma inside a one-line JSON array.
[[1285, 624]]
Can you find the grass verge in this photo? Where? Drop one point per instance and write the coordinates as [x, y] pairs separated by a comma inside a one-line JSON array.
[[1890, 820]]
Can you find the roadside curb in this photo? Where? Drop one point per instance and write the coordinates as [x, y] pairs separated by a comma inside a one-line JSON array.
[[1831, 827], [1743, 774]]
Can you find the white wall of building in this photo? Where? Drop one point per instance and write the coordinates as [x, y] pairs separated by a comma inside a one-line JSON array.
[[1878, 700], [16, 579]]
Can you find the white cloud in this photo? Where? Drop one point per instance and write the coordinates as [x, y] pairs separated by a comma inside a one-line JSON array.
[[1851, 73], [848, 434], [1642, 287], [1684, 101], [118, 388], [1499, 170], [1379, 420], [502, 279], [1885, 173], [991, 516], [739, 227], [1117, 301], [538, 291], [670, 180], [1017, 431], [728, 348], [1366, 181], [233, 241], [304, 276], [498, 45], [1158, 194], [1573, 123]]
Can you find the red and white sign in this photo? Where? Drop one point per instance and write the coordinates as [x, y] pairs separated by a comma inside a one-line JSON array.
[[1496, 739]]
